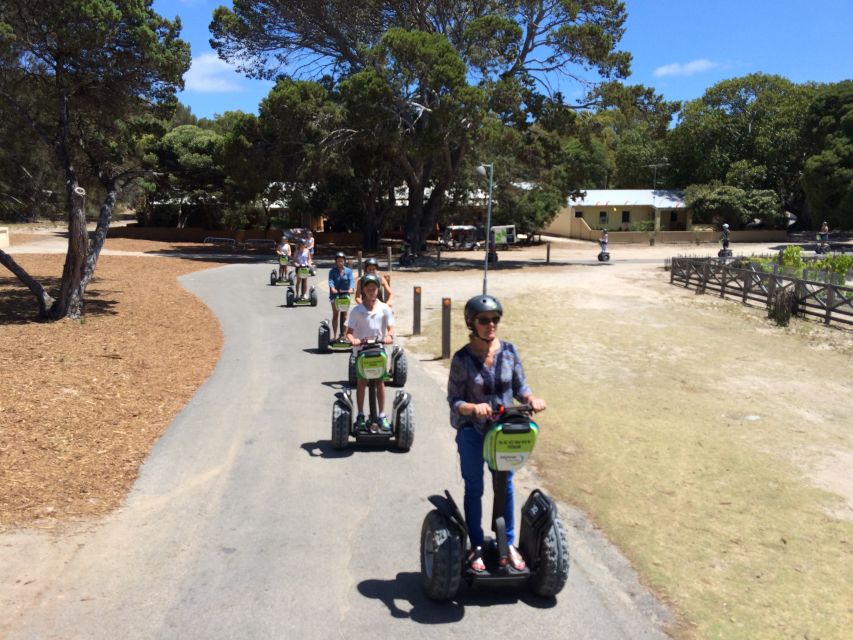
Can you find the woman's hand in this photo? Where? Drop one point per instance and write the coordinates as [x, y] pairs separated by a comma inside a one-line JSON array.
[[481, 410], [387, 339], [538, 404]]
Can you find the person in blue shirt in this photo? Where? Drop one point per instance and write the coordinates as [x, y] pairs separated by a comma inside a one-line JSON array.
[[340, 281], [484, 374]]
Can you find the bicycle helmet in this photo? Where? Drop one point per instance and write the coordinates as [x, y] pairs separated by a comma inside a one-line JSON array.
[[341, 254], [725, 226], [371, 262], [481, 304], [369, 278]]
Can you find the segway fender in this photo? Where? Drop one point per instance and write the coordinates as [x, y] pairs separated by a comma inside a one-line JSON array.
[[345, 398], [537, 515], [401, 401], [446, 506]]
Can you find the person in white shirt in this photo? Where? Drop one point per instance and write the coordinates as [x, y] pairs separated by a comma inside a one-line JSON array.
[[282, 250], [370, 319], [302, 259]]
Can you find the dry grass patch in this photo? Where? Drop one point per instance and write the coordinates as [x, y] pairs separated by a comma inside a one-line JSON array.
[[83, 402]]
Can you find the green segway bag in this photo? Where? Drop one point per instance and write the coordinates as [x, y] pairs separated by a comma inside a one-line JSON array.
[[342, 303], [303, 272], [371, 364], [507, 445]]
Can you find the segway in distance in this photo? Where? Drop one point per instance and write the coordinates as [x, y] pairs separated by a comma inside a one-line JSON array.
[[275, 280], [603, 254], [542, 542], [725, 252], [343, 301], [372, 365], [292, 300]]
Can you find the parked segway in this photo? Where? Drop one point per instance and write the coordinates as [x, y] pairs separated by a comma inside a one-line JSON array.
[[343, 301], [291, 299], [398, 368], [372, 365], [542, 541]]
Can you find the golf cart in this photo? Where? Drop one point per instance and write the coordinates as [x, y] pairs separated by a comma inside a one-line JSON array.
[[460, 236], [372, 365], [444, 535]]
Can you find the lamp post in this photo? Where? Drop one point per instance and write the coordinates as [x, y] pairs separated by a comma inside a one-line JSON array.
[[654, 166], [481, 170]]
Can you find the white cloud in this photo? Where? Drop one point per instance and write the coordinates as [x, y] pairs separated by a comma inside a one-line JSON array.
[[688, 69], [209, 74]]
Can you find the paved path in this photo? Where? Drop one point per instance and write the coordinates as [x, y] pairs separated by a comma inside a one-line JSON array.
[[244, 522]]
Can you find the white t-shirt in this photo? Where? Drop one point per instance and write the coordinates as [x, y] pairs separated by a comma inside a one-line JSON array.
[[370, 324]]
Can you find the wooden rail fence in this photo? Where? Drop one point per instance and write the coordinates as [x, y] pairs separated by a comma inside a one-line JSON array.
[[822, 301]]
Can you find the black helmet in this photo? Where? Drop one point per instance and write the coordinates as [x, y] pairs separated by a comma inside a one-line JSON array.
[[481, 304], [341, 254], [370, 278], [371, 262]]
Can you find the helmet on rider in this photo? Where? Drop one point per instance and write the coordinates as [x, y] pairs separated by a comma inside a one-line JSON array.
[[371, 262], [369, 278], [341, 254], [481, 304], [725, 226]]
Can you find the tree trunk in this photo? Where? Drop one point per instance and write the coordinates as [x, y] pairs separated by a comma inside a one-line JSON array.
[[99, 237], [69, 304], [44, 300]]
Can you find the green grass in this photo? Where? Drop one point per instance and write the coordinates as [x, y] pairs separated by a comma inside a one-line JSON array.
[[709, 508]]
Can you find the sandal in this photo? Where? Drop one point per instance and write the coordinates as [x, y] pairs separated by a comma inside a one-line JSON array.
[[515, 559], [475, 560]]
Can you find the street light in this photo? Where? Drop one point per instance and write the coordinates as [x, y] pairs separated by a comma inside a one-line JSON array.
[[481, 170], [655, 166]]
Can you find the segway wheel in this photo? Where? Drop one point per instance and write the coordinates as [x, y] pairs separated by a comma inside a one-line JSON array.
[[289, 297], [441, 557], [312, 297], [352, 377], [341, 420], [323, 338], [401, 370], [552, 567], [291, 277], [273, 278], [405, 435]]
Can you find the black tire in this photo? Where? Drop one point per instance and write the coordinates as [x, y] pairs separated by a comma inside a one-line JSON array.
[[273, 278], [352, 377], [312, 297], [441, 557], [291, 277], [401, 370], [552, 568], [341, 420], [323, 338], [405, 436], [289, 297]]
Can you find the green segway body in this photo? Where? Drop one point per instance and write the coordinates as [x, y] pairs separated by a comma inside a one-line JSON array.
[[371, 364], [303, 272], [342, 303], [507, 445]]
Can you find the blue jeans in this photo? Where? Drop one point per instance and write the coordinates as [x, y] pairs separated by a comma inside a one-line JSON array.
[[469, 443]]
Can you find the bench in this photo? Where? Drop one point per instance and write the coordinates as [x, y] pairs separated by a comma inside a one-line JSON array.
[[260, 243], [231, 243]]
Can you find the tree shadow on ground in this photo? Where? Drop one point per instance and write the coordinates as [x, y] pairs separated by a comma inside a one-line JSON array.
[[18, 306], [406, 587]]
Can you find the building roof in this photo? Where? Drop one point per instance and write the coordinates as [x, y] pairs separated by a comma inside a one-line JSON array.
[[659, 198]]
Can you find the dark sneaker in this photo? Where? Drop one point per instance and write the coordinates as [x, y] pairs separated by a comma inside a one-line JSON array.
[[360, 423], [384, 424]]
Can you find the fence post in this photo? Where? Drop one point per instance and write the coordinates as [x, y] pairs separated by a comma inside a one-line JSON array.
[[771, 288], [548, 253], [416, 324], [830, 301], [445, 328], [438, 255], [747, 282], [672, 270], [389, 258], [359, 263], [703, 283], [723, 274]]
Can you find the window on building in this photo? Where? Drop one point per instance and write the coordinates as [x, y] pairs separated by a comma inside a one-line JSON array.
[[673, 216], [602, 218], [626, 217], [578, 213]]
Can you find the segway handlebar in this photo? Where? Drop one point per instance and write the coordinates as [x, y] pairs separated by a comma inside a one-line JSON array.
[[375, 340], [514, 410]]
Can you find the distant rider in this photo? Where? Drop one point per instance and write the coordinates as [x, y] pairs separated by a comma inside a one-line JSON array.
[[282, 250], [385, 294], [340, 281], [301, 259]]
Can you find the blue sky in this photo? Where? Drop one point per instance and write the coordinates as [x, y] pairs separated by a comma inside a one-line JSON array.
[[680, 47]]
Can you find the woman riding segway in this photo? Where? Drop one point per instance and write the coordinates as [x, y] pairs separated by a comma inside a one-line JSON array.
[[340, 284], [386, 295], [484, 374]]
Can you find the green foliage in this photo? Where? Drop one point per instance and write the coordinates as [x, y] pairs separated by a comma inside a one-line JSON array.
[[792, 257], [642, 225], [782, 306], [828, 172], [717, 204], [838, 263]]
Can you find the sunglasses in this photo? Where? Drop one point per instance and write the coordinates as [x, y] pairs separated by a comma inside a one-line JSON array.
[[483, 321]]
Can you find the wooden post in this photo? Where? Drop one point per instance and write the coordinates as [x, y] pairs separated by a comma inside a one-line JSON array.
[[548, 253], [672, 271], [703, 283], [416, 324], [723, 274], [747, 282], [389, 258], [830, 301], [445, 328], [438, 255], [359, 263]]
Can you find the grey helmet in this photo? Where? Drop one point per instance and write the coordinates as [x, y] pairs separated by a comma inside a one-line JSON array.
[[370, 278], [371, 262], [481, 304]]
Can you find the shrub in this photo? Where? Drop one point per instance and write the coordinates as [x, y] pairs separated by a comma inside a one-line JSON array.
[[782, 306]]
